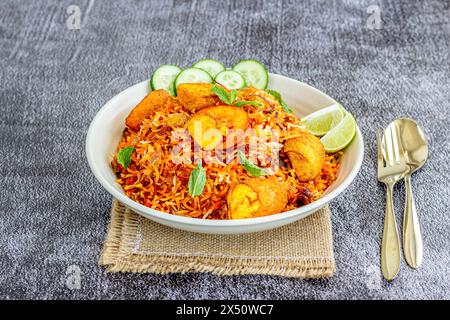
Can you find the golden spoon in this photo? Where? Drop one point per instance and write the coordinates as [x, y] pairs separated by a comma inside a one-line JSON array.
[[415, 146]]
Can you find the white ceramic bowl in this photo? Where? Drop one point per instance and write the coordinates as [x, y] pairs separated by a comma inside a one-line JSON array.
[[106, 130]]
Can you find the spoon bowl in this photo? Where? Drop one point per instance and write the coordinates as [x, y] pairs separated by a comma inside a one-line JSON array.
[[414, 143]]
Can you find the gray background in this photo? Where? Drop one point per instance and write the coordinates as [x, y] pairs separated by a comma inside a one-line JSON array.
[[54, 214]]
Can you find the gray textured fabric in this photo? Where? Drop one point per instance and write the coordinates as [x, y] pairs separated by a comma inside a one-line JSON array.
[[53, 213]]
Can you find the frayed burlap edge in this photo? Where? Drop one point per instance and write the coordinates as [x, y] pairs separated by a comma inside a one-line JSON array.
[[120, 227], [117, 257]]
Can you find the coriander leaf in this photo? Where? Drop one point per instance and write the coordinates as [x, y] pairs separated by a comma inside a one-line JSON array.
[[124, 156], [277, 96], [197, 181], [222, 94], [251, 103], [250, 167]]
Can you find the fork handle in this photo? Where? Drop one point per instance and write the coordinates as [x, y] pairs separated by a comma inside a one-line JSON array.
[[412, 238], [390, 243]]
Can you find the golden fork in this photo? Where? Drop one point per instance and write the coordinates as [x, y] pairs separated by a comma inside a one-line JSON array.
[[391, 169]]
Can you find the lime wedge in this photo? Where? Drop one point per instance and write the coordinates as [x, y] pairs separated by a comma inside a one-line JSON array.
[[340, 136], [323, 120]]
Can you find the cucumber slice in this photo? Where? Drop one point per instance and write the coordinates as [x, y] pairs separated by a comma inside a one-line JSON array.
[[231, 79], [254, 72], [163, 78], [192, 75], [213, 67]]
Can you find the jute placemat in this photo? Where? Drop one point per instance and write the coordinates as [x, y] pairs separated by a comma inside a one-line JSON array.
[[301, 249]]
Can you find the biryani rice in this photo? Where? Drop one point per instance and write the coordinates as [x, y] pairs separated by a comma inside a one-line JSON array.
[[154, 180]]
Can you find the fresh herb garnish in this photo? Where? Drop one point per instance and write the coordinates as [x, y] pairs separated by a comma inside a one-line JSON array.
[[222, 94], [197, 181], [233, 96], [249, 166], [277, 96], [124, 156], [251, 103], [230, 97]]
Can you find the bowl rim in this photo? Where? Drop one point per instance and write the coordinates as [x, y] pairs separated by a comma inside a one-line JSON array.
[[139, 208]]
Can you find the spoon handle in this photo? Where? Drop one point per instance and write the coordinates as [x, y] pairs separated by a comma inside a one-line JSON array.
[[390, 242], [412, 238]]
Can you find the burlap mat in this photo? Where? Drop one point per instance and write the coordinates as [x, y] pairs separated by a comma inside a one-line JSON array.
[[301, 249]]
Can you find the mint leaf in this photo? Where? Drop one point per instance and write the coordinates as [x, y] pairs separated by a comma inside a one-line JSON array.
[[249, 166], [222, 94], [277, 97], [227, 97], [197, 181], [230, 97], [124, 156], [286, 108], [275, 94], [251, 103], [233, 95]]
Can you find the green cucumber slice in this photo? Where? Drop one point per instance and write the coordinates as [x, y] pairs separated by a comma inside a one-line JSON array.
[[231, 79], [254, 72], [213, 67], [192, 75], [164, 77]]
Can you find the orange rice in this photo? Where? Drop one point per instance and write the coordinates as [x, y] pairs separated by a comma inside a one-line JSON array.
[[154, 180]]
